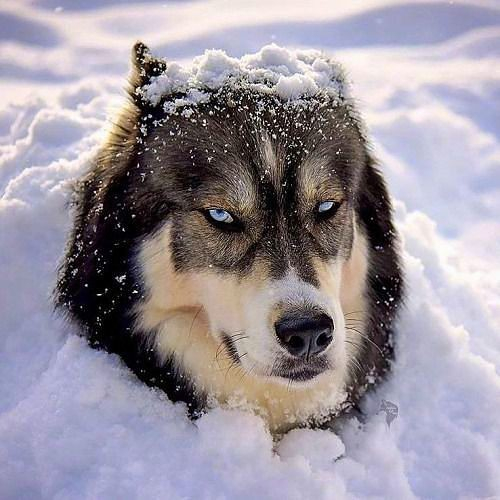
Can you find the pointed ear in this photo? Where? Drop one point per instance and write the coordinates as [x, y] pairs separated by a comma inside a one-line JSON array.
[[144, 66]]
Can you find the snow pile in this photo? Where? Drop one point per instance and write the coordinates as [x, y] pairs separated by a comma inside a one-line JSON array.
[[272, 70], [74, 423]]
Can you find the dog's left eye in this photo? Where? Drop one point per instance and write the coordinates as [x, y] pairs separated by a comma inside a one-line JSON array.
[[327, 208], [220, 215]]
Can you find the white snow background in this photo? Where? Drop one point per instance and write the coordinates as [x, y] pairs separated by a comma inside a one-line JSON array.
[[74, 422]]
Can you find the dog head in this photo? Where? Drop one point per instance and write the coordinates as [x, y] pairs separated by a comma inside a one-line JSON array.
[[259, 237]]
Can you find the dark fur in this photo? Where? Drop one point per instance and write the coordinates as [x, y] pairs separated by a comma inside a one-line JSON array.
[[130, 191]]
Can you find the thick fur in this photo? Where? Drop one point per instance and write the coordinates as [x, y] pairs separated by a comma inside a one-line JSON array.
[[190, 307]]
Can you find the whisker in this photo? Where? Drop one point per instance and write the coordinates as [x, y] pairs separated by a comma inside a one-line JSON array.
[[357, 366], [235, 363], [353, 312], [353, 342], [244, 372], [194, 319], [236, 332], [236, 338], [218, 352], [357, 345], [249, 371], [366, 338]]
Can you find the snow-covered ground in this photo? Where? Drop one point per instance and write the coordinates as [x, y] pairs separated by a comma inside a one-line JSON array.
[[74, 423]]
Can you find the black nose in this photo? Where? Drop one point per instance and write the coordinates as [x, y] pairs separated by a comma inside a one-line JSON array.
[[305, 335]]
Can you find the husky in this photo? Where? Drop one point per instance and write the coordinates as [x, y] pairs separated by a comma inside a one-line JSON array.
[[242, 255]]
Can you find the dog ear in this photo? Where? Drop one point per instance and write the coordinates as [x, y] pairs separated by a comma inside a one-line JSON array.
[[374, 209], [95, 251], [144, 67]]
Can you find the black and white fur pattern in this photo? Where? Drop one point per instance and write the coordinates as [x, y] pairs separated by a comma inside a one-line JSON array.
[[191, 305]]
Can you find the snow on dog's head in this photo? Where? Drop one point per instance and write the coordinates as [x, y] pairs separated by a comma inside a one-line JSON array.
[[275, 70], [234, 241]]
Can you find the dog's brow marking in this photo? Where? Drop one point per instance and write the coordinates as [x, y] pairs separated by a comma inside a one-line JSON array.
[[271, 162], [235, 192], [317, 180]]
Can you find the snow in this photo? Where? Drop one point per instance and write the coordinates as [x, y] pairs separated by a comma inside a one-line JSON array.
[[74, 423], [275, 70]]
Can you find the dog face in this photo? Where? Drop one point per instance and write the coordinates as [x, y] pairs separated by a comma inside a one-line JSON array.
[[261, 247]]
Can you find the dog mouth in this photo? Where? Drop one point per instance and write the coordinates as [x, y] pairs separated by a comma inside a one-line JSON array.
[[300, 371], [290, 370]]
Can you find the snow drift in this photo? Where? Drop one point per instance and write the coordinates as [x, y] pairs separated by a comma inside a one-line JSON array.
[[74, 423]]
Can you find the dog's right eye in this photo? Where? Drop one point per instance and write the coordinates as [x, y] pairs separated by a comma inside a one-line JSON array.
[[220, 215], [222, 219]]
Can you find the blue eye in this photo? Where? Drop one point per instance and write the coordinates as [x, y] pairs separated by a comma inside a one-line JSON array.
[[325, 206], [220, 215]]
